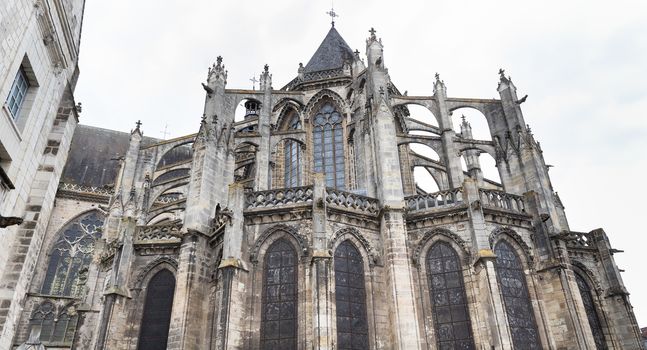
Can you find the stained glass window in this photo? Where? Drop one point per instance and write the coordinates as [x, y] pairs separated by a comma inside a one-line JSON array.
[[157, 311], [279, 308], [591, 313], [71, 255], [329, 146], [512, 281], [350, 298], [56, 326], [448, 298], [292, 154]]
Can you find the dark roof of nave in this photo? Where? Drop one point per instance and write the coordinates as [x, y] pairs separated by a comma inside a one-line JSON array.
[[331, 54], [91, 161]]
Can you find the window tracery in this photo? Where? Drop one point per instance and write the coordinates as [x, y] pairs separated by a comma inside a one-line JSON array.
[[448, 298], [329, 146], [157, 311], [350, 298], [56, 327], [279, 304], [292, 156], [512, 281], [591, 312], [71, 255]]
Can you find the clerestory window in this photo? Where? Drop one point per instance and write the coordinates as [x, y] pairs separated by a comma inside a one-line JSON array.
[[292, 157], [329, 146]]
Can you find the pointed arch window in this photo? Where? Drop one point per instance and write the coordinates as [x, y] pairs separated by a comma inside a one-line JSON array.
[[157, 311], [279, 305], [57, 326], [70, 257], [329, 146], [350, 298], [512, 282], [448, 298], [292, 156], [591, 312]]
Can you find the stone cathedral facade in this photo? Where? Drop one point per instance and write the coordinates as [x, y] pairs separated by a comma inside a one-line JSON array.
[[301, 227]]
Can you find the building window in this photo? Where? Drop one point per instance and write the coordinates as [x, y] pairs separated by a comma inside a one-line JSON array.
[[350, 298], [157, 311], [448, 298], [17, 93], [591, 313], [292, 153], [71, 255], [56, 327], [279, 306], [512, 281], [329, 146]]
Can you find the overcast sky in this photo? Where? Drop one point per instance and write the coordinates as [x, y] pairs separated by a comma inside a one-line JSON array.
[[582, 63]]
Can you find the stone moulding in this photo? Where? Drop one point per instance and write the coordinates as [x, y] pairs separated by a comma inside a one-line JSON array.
[[301, 240], [506, 231], [428, 235], [374, 258]]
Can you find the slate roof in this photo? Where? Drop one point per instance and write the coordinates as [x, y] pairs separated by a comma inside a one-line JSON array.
[[331, 54], [90, 161]]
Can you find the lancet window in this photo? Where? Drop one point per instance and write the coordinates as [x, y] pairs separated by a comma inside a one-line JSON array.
[[71, 255], [157, 311], [329, 145], [512, 282], [292, 156], [350, 298], [591, 313], [279, 304], [448, 298], [57, 326]]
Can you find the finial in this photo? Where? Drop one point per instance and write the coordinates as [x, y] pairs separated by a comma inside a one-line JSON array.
[[266, 68], [463, 118], [138, 124], [372, 31], [332, 15], [437, 76], [219, 60], [357, 53]]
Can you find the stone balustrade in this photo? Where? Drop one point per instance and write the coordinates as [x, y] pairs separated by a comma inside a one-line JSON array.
[[347, 200], [502, 200], [279, 197], [163, 233], [63, 186], [440, 199]]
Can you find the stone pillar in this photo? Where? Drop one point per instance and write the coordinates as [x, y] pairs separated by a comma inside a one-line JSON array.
[[230, 328], [489, 297], [451, 153], [261, 181], [322, 317]]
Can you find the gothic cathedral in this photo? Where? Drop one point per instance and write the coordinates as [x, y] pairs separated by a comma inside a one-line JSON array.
[[300, 226]]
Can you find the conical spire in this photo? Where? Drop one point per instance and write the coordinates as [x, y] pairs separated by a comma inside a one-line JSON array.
[[331, 54]]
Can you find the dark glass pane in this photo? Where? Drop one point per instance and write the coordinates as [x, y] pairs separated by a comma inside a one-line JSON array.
[[448, 298], [157, 311], [55, 328], [512, 282], [591, 313], [329, 146], [350, 298], [279, 305]]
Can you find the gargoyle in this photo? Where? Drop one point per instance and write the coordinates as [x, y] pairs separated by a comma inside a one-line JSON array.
[[522, 100], [6, 221]]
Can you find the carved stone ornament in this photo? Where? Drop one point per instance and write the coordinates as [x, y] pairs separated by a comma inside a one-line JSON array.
[[370, 251], [503, 230], [281, 228], [427, 236]]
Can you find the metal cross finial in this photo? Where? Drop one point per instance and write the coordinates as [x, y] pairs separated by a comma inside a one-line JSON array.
[[372, 31], [165, 132], [502, 73], [332, 15], [254, 81], [139, 123]]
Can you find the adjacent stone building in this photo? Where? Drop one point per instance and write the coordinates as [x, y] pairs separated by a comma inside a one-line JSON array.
[[39, 49], [301, 226]]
